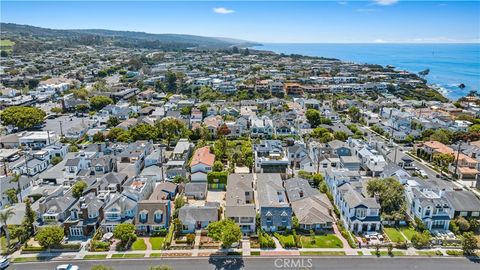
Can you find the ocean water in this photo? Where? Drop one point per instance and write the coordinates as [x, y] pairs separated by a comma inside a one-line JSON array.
[[449, 64]]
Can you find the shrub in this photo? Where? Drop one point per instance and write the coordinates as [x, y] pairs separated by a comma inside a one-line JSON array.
[[265, 240], [454, 252], [190, 238]]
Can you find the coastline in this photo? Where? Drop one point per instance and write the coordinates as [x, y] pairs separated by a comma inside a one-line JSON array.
[[446, 71]]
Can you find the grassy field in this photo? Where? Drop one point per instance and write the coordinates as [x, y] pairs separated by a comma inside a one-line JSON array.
[[322, 253], [286, 240], [408, 232], [255, 253], [157, 242], [394, 235], [6, 43], [95, 257], [321, 241], [139, 244]]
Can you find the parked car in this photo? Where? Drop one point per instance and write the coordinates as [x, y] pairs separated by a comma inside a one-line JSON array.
[[67, 267], [4, 263], [14, 158]]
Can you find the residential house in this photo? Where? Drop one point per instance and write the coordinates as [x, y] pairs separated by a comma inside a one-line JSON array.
[[275, 212], [240, 204], [201, 164], [312, 208]]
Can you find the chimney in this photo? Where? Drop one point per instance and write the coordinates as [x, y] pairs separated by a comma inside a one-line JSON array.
[[301, 193], [83, 208], [41, 205]]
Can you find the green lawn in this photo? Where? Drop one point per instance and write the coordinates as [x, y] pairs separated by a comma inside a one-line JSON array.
[[157, 242], [127, 255], [139, 244], [360, 253], [3, 244], [30, 259], [322, 253], [394, 235], [321, 241], [255, 253], [95, 257], [408, 232], [286, 240], [155, 255], [429, 253]]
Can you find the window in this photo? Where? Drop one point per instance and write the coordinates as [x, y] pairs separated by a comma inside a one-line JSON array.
[[158, 216], [361, 212]]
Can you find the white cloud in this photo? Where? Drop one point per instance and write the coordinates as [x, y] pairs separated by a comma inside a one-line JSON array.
[[379, 40], [385, 2], [222, 10], [343, 3]]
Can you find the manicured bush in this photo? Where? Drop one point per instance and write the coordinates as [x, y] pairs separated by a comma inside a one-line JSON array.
[[452, 252]]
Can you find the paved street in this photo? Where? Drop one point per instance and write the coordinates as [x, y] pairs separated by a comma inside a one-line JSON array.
[[337, 263]]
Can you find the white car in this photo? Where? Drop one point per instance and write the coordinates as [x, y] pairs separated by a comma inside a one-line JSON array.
[[4, 263], [67, 267]]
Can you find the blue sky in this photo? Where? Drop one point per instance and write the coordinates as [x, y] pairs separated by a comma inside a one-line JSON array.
[[271, 21]]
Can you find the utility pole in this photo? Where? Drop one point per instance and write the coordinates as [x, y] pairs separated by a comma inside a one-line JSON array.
[[61, 129]]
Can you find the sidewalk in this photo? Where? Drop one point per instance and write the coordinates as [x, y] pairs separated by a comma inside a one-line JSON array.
[[263, 252]]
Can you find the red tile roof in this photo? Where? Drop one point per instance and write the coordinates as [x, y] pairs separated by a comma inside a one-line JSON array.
[[203, 155]]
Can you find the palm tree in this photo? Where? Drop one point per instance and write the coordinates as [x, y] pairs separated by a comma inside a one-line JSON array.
[[4, 216], [16, 179]]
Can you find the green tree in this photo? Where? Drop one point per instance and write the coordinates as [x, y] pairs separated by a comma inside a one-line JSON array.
[[442, 135], [5, 215], [354, 114], [50, 236], [78, 188], [391, 196], [112, 121], [22, 117], [313, 117], [469, 243], [171, 79], [170, 129], [29, 217], [340, 135], [225, 230], [125, 232], [143, 132], [81, 93], [56, 110], [98, 137], [207, 93], [421, 240], [118, 134], [55, 160], [474, 128], [217, 166], [98, 102], [12, 195]]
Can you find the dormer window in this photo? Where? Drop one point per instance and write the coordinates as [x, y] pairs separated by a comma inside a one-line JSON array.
[[143, 216], [158, 216], [74, 214]]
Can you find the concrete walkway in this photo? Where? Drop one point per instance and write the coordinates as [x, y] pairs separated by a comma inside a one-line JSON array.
[[246, 249], [148, 251]]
